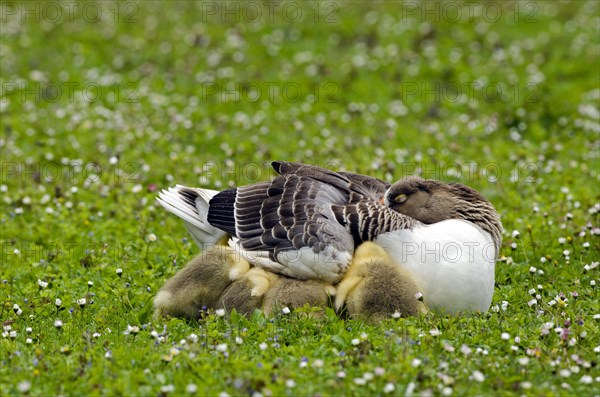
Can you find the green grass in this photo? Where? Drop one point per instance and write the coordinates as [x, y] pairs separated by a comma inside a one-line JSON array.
[[79, 178]]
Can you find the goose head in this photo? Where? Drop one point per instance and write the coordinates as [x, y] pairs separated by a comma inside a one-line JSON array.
[[430, 201]]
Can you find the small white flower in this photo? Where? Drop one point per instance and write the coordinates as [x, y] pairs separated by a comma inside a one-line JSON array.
[[81, 302], [58, 302], [415, 362], [435, 332], [368, 376], [532, 302], [586, 245], [341, 374], [239, 340], [531, 291], [505, 336], [355, 341], [526, 385], [543, 259], [192, 337], [42, 284], [478, 376], [191, 388], [119, 272], [566, 252], [24, 386], [532, 269], [152, 237], [586, 379], [58, 323], [388, 388], [220, 312], [523, 360], [263, 346], [419, 296], [562, 240], [565, 373], [290, 383], [29, 341], [90, 284], [285, 310], [96, 335], [516, 234], [318, 363], [360, 381], [222, 347], [447, 391], [167, 389], [13, 334], [28, 330], [466, 350], [396, 314]]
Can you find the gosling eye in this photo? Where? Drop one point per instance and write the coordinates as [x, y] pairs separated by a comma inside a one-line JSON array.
[[401, 198]]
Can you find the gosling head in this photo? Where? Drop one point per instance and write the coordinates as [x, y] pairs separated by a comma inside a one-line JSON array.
[[431, 201]]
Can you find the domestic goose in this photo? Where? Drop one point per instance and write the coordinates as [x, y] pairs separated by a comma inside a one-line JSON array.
[[306, 222]]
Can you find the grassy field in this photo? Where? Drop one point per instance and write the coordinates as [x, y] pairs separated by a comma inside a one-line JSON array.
[[105, 103]]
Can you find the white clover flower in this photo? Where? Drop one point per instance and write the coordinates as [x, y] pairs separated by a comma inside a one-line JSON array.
[[58, 323], [478, 376], [263, 346], [221, 347], [388, 388], [119, 272], [290, 383], [532, 269], [28, 330], [505, 336], [220, 312], [58, 302], [90, 284], [516, 234], [24, 386], [419, 296], [152, 237], [396, 314], [355, 342], [285, 310], [42, 284], [523, 361], [81, 302], [191, 388], [415, 362]]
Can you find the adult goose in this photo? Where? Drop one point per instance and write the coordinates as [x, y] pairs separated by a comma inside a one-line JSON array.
[[306, 222]]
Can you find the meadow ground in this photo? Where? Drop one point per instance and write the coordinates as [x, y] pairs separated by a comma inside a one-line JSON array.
[[105, 103]]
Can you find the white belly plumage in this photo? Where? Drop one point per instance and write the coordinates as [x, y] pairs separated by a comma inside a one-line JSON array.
[[452, 262]]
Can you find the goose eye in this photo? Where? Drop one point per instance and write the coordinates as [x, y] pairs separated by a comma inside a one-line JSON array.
[[401, 198]]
